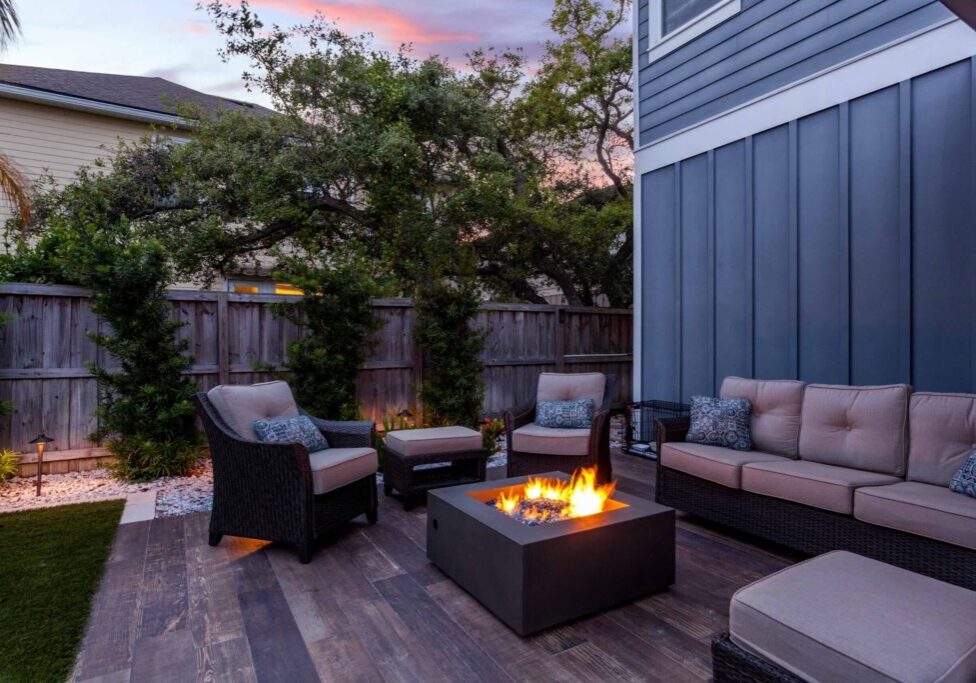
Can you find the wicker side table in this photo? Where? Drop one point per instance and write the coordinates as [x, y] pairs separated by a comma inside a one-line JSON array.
[[462, 464]]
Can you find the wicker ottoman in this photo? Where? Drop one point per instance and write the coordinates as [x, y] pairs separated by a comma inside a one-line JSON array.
[[458, 452], [843, 617]]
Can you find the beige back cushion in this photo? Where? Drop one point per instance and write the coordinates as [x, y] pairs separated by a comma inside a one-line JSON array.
[[555, 386], [240, 405], [776, 408], [860, 427], [942, 429]]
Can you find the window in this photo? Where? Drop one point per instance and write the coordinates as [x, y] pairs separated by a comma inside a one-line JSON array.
[[675, 22], [262, 287], [287, 290], [677, 13]]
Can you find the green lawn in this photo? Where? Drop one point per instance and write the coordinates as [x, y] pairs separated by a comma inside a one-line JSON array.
[[50, 563]]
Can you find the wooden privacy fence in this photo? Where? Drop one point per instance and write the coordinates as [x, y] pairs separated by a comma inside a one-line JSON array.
[[45, 348]]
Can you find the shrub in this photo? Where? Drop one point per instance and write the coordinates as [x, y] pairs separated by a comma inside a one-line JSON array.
[[337, 312], [146, 416], [491, 429], [8, 464], [145, 412], [452, 387]]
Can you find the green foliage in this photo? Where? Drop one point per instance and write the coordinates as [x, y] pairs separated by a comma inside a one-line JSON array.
[[491, 429], [147, 417], [146, 414], [452, 388], [9, 462], [338, 313], [397, 421], [52, 563]]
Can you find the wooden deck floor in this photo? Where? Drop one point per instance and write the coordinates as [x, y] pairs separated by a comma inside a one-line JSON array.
[[370, 607]]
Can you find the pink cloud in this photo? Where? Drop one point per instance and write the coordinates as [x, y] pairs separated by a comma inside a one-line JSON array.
[[385, 23], [197, 28]]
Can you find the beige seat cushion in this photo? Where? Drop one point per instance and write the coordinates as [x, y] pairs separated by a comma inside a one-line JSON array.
[[923, 509], [843, 617], [551, 441], [811, 483], [241, 404], [860, 427], [555, 386], [434, 440], [336, 467], [776, 404], [942, 432], [714, 463]]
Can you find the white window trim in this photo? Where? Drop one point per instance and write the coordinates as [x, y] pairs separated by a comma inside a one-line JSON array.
[[660, 45]]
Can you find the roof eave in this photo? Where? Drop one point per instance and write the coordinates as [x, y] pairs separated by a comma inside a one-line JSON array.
[[53, 99]]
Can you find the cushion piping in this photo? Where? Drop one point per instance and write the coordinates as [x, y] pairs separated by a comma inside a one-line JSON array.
[[927, 507], [789, 628]]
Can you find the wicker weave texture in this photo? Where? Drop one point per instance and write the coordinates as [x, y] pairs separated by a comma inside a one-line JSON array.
[[265, 491], [811, 530], [400, 473], [732, 664]]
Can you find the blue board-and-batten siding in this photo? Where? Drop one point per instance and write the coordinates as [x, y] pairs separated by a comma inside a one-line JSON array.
[[769, 44], [838, 248]]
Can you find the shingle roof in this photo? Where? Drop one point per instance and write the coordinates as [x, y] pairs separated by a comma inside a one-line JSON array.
[[140, 92]]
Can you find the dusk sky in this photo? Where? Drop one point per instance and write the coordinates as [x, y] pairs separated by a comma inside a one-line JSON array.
[[171, 39]]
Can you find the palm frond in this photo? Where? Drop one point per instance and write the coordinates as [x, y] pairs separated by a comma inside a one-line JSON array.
[[15, 188], [9, 22]]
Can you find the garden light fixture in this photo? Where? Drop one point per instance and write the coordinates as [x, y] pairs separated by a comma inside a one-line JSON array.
[[40, 441]]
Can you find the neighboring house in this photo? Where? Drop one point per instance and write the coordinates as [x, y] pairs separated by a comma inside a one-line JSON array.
[[805, 194], [55, 121]]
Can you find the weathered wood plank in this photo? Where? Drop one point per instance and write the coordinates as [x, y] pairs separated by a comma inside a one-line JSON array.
[[45, 352], [276, 644]]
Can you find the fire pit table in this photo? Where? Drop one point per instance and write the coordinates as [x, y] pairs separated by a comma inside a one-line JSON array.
[[535, 574]]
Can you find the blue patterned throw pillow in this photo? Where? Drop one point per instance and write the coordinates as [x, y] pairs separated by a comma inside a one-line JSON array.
[[291, 430], [721, 422], [565, 414], [964, 481]]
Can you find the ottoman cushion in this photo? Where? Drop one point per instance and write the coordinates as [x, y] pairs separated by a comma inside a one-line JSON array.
[[434, 440], [843, 617], [336, 467]]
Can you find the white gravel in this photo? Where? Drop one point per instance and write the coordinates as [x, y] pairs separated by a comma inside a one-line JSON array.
[[174, 495]]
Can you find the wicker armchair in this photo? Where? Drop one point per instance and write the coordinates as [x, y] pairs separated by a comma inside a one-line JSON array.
[[532, 451], [281, 492]]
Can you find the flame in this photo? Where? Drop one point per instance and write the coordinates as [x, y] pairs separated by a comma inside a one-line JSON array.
[[544, 500]]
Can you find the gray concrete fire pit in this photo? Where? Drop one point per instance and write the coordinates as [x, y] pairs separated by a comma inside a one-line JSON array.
[[536, 576]]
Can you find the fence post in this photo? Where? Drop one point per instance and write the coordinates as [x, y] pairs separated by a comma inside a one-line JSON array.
[[223, 340], [560, 339], [418, 367]]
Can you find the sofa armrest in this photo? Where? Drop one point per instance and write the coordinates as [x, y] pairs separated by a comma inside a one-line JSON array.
[[671, 429], [518, 417], [346, 433]]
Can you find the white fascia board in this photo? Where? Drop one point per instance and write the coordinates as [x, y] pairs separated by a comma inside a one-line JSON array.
[[51, 99]]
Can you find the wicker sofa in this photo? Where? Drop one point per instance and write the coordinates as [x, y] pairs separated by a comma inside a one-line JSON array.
[[533, 449], [863, 469], [281, 492]]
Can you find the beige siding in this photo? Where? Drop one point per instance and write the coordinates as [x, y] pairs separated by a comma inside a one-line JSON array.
[[44, 140]]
